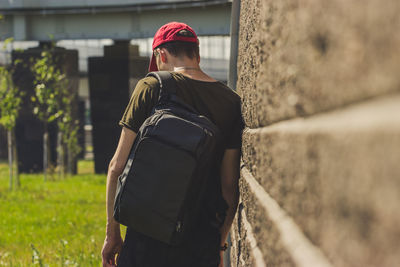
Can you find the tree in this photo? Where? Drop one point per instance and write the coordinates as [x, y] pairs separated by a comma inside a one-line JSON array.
[[10, 103], [53, 101], [48, 83], [68, 131]]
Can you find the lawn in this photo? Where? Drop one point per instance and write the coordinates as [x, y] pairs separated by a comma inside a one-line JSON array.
[[53, 223]]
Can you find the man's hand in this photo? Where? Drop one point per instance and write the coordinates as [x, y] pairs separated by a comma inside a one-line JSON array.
[[111, 248]]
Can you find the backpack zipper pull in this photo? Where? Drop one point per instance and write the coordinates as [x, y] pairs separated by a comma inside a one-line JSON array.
[[207, 132], [179, 226]]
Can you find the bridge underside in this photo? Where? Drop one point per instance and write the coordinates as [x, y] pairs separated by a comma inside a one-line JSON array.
[[118, 23]]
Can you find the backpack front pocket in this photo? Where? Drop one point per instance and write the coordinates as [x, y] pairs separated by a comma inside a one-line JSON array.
[[156, 187]]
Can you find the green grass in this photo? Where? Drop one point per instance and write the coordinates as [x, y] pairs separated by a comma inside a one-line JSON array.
[[64, 220]]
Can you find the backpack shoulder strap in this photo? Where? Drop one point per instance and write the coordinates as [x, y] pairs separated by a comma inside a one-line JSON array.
[[167, 86], [167, 83], [168, 89]]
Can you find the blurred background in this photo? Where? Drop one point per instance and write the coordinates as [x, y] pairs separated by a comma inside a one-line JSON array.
[[67, 70], [105, 47]]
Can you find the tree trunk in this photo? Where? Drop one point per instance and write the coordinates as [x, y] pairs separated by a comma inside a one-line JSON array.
[[15, 152], [60, 157], [10, 159], [69, 161], [45, 151]]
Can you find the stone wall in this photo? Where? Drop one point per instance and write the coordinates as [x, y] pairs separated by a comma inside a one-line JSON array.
[[320, 181]]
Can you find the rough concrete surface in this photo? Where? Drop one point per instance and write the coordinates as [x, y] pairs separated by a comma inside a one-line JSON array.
[[320, 89], [249, 57], [338, 176], [265, 232], [234, 249], [297, 58]]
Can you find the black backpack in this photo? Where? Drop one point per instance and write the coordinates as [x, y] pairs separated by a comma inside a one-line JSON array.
[[170, 170]]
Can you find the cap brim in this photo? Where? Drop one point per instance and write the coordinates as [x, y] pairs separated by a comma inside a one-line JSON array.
[[153, 64]]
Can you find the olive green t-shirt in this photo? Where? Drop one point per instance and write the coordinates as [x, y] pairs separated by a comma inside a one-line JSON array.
[[212, 99]]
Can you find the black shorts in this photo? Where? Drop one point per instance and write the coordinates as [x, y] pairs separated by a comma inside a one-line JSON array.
[[202, 250]]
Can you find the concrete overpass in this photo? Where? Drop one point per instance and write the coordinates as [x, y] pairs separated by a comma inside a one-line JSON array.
[[117, 19]]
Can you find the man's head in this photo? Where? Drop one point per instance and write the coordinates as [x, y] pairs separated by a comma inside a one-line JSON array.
[[176, 41]]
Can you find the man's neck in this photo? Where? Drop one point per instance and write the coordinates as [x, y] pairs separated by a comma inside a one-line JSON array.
[[187, 68], [193, 72]]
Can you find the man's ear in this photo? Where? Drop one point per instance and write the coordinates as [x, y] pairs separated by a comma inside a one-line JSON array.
[[163, 56]]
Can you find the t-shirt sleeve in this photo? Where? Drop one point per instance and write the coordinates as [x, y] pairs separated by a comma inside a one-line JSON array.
[[235, 138], [141, 103]]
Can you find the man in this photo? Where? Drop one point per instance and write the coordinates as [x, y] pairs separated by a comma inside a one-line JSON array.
[[176, 49]]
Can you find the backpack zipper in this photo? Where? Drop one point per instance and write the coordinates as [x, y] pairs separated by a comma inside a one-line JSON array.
[[178, 226]]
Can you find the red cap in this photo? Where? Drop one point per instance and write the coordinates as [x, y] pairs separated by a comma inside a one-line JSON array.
[[170, 33]]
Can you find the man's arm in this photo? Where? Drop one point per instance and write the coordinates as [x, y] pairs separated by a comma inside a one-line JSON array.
[[113, 242], [230, 173]]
